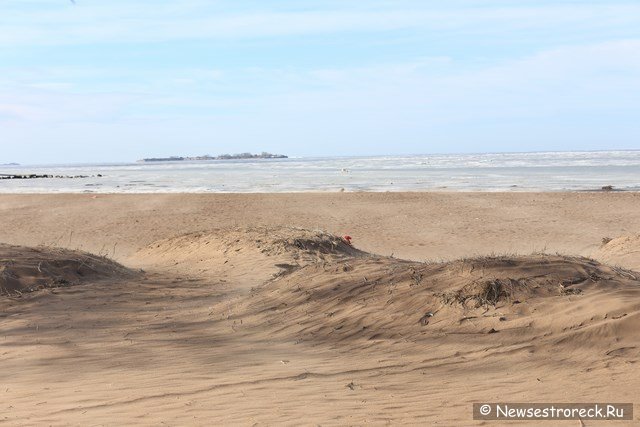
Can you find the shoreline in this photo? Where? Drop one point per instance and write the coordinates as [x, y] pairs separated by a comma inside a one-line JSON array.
[[332, 191], [459, 173]]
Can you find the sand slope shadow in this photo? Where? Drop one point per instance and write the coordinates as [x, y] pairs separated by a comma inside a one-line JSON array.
[[385, 298]]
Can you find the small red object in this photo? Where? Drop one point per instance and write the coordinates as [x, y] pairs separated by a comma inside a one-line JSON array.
[[347, 239]]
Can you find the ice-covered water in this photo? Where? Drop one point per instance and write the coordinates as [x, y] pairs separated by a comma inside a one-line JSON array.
[[551, 171]]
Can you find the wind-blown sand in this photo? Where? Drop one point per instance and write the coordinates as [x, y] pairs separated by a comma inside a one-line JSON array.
[[249, 309]]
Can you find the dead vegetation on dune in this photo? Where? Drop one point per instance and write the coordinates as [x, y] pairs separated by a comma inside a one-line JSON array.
[[269, 241], [511, 279], [25, 269], [318, 243]]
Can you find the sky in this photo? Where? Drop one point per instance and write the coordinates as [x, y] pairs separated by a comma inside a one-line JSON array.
[[115, 81]]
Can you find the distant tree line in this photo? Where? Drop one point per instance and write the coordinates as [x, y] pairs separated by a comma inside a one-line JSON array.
[[263, 155]]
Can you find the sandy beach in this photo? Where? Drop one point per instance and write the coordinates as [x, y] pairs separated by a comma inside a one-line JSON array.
[[251, 309]]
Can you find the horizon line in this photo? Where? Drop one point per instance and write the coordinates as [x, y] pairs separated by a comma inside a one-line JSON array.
[[122, 163]]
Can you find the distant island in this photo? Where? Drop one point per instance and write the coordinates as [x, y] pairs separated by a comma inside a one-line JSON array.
[[9, 164], [263, 155]]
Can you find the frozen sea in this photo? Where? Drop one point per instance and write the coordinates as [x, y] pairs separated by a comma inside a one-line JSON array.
[[549, 171]]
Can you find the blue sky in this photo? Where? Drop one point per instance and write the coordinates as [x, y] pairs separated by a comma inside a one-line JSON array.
[[119, 80]]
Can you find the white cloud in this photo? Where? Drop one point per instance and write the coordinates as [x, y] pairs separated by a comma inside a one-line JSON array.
[[119, 22], [600, 74], [596, 85], [42, 106], [570, 79]]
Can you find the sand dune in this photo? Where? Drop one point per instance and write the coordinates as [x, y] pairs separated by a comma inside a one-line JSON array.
[[24, 269], [328, 291], [381, 298], [344, 291], [274, 324], [248, 257], [623, 251]]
